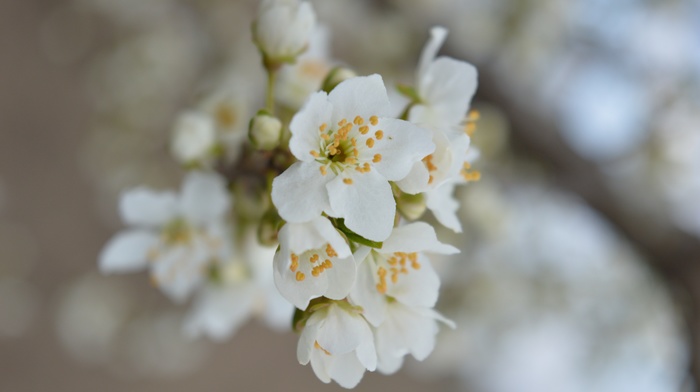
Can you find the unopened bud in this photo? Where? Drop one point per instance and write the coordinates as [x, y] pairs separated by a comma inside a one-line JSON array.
[[193, 138], [411, 207], [264, 131], [282, 29], [337, 76]]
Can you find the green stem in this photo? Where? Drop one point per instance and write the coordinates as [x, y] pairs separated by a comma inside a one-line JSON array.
[[270, 97]]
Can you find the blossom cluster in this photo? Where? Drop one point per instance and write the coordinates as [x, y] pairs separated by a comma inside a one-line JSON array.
[[314, 222]]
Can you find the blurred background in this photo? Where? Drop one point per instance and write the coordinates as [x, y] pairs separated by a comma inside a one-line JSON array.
[[580, 263]]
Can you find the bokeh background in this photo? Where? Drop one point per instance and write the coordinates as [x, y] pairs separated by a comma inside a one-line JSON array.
[[580, 264]]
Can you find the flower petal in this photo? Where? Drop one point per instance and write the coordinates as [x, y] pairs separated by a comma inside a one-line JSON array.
[[219, 311], [204, 197], [438, 34], [306, 343], [364, 293], [444, 206], [127, 251], [416, 237], [420, 287], [300, 192], [416, 181], [341, 278], [367, 204], [147, 208], [402, 145], [341, 332], [447, 88], [362, 96], [305, 126], [347, 370]]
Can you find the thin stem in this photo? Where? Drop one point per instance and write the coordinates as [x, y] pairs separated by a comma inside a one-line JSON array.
[[270, 97]]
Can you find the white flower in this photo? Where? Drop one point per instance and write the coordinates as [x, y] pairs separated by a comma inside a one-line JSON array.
[[296, 82], [339, 344], [406, 330], [242, 287], [282, 28], [194, 138], [441, 200], [313, 261], [175, 235], [349, 152], [398, 270], [445, 87]]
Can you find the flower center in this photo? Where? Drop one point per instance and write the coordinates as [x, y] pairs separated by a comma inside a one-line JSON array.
[[390, 267], [341, 148], [312, 262]]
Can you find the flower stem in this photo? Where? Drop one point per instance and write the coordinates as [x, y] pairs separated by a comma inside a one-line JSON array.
[[270, 96]]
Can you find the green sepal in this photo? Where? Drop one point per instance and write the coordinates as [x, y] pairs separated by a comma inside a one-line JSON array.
[[354, 237], [408, 92]]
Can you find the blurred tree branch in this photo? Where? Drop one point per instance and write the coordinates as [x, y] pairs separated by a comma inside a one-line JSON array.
[[673, 254]]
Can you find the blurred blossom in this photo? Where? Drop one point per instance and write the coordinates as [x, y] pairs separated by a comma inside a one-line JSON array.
[[19, 306], [552, 300], [603, 112], [89, 317], [156, 347]]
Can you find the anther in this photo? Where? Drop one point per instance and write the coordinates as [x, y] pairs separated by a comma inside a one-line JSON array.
[[379, 134], [300, 276], [314, 153], [370, 142], [373, 120], [364, 129], [323, 171], [377, 158], [358, 120], [348, 181]]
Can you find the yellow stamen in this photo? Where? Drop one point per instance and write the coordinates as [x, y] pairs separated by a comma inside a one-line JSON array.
[[330, 251], [370, 142], [323, 170], [348, 181], [364, 129], [379, 134], [323, 127], [377, 158], [314, 153], [358, 120], [300, 276], [373, 120]]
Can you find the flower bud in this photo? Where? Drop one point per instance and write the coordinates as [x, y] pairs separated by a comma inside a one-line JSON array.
[[282, 29], [335, 77], [193, 138], [264, 131], [411, 207]]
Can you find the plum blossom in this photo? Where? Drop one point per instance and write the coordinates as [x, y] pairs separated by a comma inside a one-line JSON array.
[[282, 28], [237, 289], [398, 271], [194, 138], [313, 261], [174, 236], [339, 344], [348, 152]]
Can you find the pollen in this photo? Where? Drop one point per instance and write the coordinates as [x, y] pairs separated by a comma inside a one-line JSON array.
[[325, 137], [364, 129], [431, 179], [314, 258], [370, 142], [300, 276], [373, 120], [348, 181], [379, 134], [474, 115], [323, 127], [323, 170], [327, 264], [381, 286], [314, 153], [470, 128], [350, 160], [318, 346], [342, 122], [330, 251], [377, 158], [358, 120]]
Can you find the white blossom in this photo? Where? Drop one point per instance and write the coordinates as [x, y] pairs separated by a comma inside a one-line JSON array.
[[194, 138], [348, 152], [175, 236], [339, 344], [282, 28], [399, 270], [313, 261]]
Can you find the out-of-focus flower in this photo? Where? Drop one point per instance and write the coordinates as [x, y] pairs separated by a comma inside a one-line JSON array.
[[349, 152], [265, 131], [194, 139], [282, 29], [175, 236]]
